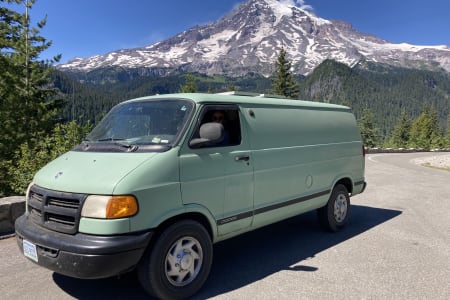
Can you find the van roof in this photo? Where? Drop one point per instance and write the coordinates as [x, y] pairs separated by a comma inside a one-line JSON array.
[[244, 98]]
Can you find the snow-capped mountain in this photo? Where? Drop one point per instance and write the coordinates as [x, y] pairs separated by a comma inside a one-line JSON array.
[[249, 40]]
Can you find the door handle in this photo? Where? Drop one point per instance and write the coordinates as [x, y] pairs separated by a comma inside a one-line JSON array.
[[242, 158]]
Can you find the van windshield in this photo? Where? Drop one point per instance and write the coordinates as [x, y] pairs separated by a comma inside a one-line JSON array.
[[133, 125]]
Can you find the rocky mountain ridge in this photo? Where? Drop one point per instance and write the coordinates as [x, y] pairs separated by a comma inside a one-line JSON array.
[[249, 39]]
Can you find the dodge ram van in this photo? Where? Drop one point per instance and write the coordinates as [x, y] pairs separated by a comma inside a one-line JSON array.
[[162, 178]]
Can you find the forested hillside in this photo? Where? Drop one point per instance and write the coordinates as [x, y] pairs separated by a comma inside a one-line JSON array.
[[88, 98], [386, 91], [383, 90]]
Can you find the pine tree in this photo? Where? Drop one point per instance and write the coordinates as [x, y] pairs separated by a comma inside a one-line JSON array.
[[437, 140], [28, 106], [448, 133], [284, 83], [189, 86], [369, 132], [400, 135], [425, 131]]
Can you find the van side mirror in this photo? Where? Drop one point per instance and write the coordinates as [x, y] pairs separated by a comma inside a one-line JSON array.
[[210, 134]]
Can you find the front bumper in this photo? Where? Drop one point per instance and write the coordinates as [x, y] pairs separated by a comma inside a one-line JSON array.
[[82, 255]]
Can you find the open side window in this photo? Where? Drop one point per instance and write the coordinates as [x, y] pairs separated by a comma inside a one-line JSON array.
[[216, 120]]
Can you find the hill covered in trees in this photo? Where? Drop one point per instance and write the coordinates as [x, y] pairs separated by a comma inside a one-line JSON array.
[[89, 96], [384, 91]]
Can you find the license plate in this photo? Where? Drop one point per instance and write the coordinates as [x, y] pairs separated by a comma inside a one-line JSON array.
[[29, 250]]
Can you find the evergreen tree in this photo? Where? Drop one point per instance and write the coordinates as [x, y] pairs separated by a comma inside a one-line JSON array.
[[369, 132], [425, 131], [284, 83], [448, 132], [189, 86], [231, 87], [400, 135], [29, 160], [28, 107], [437, 140]]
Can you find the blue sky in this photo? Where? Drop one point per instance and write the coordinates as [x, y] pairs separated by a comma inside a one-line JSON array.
[[83, 28]]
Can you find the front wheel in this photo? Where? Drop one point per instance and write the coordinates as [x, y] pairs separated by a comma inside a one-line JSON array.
[[334, 215], [178, 264]]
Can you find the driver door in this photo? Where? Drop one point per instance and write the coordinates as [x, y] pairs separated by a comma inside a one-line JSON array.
[[220, 177]]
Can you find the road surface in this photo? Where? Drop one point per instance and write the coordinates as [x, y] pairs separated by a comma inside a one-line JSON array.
[[396, 246]]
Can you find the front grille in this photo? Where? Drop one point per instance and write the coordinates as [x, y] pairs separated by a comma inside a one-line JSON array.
[[55, 210], [66, 203]]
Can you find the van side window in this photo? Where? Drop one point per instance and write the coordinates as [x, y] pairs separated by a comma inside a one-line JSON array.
[[229, 118]]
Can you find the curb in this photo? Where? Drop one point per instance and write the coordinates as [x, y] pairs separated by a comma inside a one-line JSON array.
[[401, 150], [10, 209]]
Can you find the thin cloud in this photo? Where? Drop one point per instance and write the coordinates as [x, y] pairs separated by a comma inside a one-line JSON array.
[[298, 3], [301, 4]]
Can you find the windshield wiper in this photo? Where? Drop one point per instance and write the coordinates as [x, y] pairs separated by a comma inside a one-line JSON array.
[[129, 147], [110, 139]]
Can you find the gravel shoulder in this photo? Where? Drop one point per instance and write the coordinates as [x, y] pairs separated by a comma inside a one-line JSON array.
[[436, 161]]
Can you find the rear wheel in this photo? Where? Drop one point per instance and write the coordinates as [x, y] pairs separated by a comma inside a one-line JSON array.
[[178, 264], [335, 214]]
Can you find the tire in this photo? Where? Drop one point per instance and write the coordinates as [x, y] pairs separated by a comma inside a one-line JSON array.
[[335, 214], [178, 264]]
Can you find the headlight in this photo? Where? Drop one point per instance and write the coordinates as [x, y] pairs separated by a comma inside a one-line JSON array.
[[109, 207], [27, 195]]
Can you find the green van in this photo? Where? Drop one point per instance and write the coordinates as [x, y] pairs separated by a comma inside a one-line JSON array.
[[162, 178]]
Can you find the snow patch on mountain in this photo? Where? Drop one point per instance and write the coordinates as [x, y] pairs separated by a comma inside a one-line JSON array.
[[249, 40]]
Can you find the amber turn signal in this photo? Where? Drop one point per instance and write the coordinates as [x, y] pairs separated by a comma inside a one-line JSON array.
[[121, 207], [109, 207]]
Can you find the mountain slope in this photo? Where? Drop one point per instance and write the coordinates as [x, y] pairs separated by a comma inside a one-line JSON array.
[[385, 90], [249, 39]]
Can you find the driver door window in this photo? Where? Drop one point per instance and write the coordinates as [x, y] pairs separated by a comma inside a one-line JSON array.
[[229, 118]]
